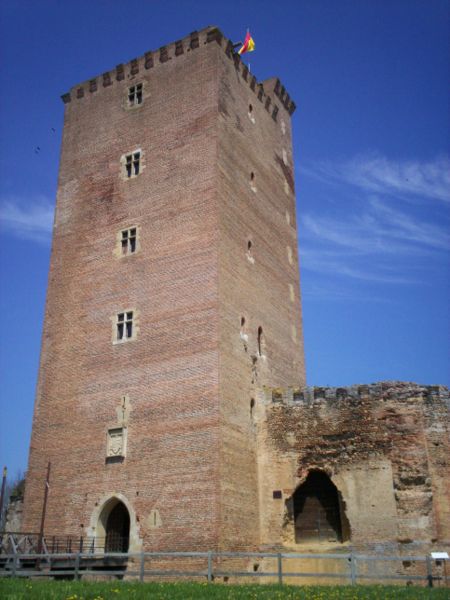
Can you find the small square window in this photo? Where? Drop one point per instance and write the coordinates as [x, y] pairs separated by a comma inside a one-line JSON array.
[[124, 326], [135, 95], [128, 241], [132, 164]]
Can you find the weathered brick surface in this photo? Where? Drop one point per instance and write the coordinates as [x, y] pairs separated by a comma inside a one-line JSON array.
[[186, 374], [212, 430], [258, 289], [385, 446]]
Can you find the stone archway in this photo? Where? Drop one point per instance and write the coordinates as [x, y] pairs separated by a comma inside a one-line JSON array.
[[116, 519], [318, 511], [114, 525]]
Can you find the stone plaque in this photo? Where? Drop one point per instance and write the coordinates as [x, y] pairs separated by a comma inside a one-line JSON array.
[[116, 442]]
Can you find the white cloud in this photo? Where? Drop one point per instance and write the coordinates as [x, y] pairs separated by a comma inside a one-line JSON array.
[[375, 173], [339, 264], [379, 237], [31, 220], [377, 229]]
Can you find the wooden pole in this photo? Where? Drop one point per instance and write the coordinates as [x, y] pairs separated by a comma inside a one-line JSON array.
[[2, 495], [44, 508]]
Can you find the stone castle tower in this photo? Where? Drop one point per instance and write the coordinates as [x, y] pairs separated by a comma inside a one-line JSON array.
[[173, 295], [171, 400]]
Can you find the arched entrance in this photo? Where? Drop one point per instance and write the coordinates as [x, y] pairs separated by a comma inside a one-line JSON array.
[[114, 523], [319, 514]]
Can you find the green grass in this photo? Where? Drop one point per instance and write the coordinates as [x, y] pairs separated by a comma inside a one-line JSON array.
[[22, 589]]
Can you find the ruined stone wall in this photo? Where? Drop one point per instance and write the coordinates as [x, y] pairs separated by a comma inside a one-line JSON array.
[[14, 514], [385, 446]]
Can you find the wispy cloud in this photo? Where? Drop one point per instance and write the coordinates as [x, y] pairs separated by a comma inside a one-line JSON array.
[[378, 228], [31, 219], [379, 237], [375, 173], [341, 264]]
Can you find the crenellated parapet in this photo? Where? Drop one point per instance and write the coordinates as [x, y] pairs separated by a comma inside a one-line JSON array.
[[271, 93], [386, 390]]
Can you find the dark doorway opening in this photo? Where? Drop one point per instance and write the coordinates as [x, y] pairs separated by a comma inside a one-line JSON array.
[[117, 529], [318, 511]]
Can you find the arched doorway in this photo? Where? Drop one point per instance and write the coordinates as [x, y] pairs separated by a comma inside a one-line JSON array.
[[114, 523], [319, 514]]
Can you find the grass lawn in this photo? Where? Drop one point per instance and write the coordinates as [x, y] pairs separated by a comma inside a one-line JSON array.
[[18, 589]]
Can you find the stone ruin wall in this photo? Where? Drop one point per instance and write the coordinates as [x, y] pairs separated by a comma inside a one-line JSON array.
[[14, 514], [386, 448]]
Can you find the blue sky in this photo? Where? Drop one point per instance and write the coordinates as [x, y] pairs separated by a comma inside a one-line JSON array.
[[371, 145]]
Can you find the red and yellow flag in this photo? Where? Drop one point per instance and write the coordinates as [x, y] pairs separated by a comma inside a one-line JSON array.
[[248, 45]]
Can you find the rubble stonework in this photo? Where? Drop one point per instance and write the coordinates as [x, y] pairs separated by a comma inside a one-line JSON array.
[[14, 514], [385, 446]]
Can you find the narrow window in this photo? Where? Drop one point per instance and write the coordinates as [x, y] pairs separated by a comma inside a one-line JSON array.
[[135, 95], [242, 332], [132, 240], [124, 326], [132, 164], [260, 340], [252, 406], [251, 116], [289, 255], [129, 324], [128, 165], [249, 251], [120, 325], [252, 176], [128, 241], [136, 161]]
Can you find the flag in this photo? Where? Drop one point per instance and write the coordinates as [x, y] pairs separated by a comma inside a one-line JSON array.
[[248, 45]]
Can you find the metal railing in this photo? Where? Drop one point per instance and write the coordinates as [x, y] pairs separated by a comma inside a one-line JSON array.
[[32, 543], [210, 566]]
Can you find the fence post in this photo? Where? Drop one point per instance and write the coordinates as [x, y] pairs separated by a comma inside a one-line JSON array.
[[142, 567], [210, 567], [353, 568], [280, 568], [77, 566], [14, 569], [429, 572]]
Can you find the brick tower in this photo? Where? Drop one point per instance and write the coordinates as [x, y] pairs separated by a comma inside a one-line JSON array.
[[173, 294]]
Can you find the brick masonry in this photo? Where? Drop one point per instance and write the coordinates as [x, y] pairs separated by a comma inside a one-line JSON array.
[[211, 428], [187, 373]]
